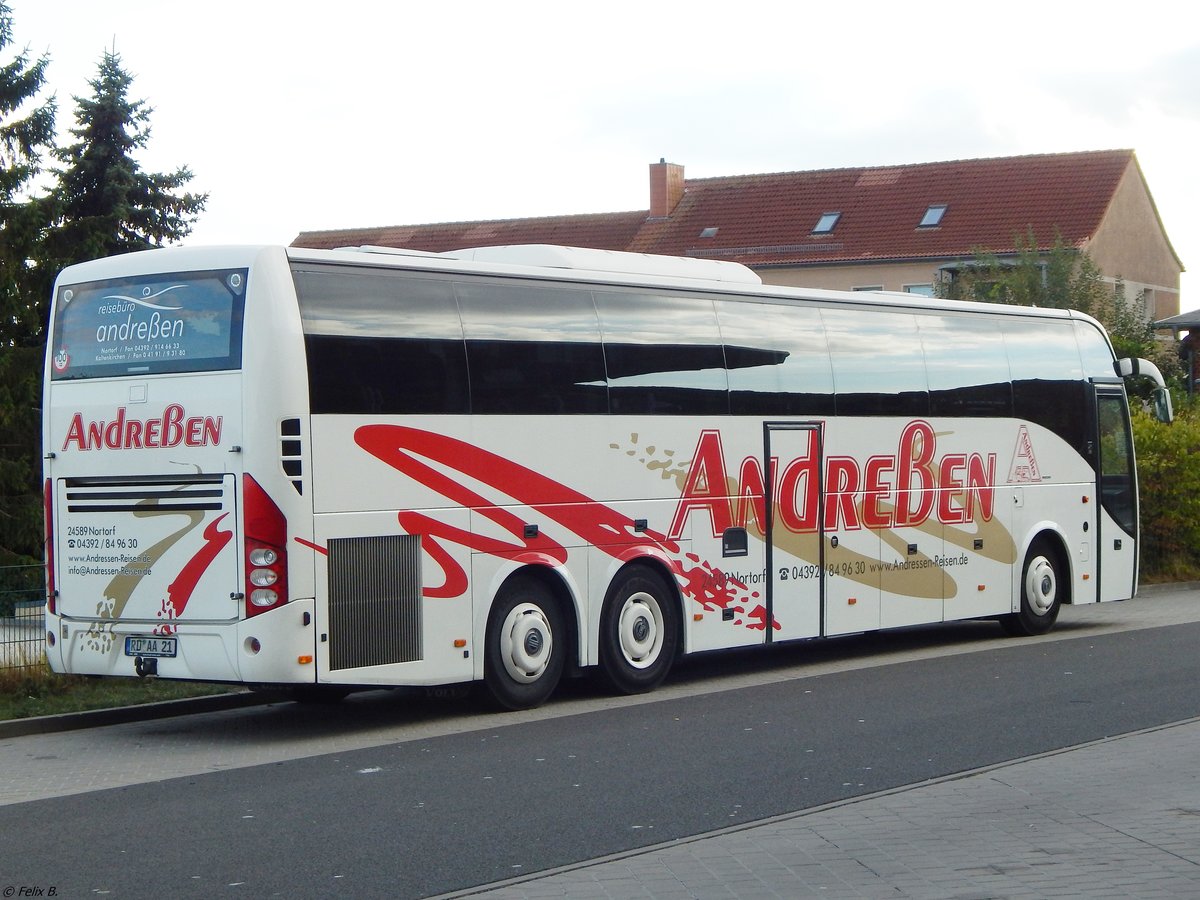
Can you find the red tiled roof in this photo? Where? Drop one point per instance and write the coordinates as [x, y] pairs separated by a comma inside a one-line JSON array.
[[768, 219]]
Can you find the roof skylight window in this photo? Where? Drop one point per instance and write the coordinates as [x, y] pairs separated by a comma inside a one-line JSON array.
[[826, 222], [933, 216], [709, 232]]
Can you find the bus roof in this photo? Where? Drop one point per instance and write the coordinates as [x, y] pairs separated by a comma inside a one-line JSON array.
[[546, 261]]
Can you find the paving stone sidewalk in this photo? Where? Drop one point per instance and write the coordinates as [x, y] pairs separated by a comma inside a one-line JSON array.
[[1117, 818]]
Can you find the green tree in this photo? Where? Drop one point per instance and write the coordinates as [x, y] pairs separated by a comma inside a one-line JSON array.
[[26, 135], [1167, 456], [1064, 277], [104, 203]]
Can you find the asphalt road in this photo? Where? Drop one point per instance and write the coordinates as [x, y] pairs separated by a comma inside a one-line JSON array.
[[439, 809]]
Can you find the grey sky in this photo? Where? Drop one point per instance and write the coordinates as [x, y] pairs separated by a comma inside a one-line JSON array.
[[302, 115]]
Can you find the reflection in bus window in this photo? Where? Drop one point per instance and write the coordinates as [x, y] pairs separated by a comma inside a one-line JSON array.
[[967, 365], [777, 358], [878, 363], [1046, 373], [379, 342], [1094, 350], [663, 354], [532, 349], [1117, 478]]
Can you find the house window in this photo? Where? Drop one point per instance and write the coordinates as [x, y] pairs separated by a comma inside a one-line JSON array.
[[709, 232], [1149, 304], [925, 290], [933, 216], [826, 222]]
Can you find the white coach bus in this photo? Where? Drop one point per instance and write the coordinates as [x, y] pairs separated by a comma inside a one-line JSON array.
[[338, 469]]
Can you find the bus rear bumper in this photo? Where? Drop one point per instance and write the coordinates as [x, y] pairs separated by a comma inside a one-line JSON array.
[[279, 647], [276, 646]]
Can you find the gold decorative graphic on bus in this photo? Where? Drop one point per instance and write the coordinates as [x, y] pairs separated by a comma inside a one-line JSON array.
[[656, 459], [119, 591]]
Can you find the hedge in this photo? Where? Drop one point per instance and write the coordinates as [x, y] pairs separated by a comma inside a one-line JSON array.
[[1168, 462]]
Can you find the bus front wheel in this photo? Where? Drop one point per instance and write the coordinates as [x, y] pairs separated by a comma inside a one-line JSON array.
[[639, 632], [1042, 591], [525, 645]]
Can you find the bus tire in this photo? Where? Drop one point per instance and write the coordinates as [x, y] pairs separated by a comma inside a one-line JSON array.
[[639, 631], [1042, 590], [526, 644]]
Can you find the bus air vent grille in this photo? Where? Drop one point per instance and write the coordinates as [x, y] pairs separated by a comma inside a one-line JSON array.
[[374, 600], [148, 494], [291, 453]]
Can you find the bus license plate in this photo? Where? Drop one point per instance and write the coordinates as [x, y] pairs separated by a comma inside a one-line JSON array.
[[150, 646]]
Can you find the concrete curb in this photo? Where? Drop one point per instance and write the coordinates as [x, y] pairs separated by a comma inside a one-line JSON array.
[[143, 712], [1149, 590]]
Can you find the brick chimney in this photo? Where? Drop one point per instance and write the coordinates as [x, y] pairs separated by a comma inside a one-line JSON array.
[[666, 188]]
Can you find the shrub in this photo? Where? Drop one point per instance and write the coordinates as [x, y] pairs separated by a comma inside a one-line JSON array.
[[1168, 461]]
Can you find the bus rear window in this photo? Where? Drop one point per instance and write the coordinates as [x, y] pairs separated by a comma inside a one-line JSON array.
[[150, 324]]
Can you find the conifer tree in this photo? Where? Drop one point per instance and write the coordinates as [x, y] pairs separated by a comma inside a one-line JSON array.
[[26, 135], [105, 203]]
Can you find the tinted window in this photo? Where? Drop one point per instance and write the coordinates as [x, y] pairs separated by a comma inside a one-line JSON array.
[[777, 358], [966, 365], [187, 322], [382, 342], [1094, 351], [532, 349], [1044, 360], [662, 354], [878, 363], [1117, 478]]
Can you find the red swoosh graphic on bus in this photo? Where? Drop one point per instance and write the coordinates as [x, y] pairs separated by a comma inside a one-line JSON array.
[[179, 592], [598, 525]]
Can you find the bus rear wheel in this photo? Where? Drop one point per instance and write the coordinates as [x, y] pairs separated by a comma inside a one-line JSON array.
[[639, 631], [1042, 592], [525, 645]]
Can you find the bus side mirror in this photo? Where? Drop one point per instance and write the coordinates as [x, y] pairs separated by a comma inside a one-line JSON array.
[[1162, 405], [1161, 398]]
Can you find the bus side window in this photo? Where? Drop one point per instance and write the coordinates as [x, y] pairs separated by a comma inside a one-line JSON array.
[[1046, 372], [777, 358], [663, 354], [532, 349], [1117, 475], [1094, 351], [967, 366], [382, 342], [878, 362]]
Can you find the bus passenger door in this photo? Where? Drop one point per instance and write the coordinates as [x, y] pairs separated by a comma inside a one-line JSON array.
[[793, 522], [1117, 529]]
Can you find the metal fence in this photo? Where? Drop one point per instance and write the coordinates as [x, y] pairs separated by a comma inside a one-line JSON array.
[[22, 616]]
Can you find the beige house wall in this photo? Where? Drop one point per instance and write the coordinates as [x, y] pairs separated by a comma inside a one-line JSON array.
[[1130, 244], [888, 276]]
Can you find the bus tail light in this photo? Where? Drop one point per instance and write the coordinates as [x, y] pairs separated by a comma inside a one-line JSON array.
[[266, 554], [48, 509]]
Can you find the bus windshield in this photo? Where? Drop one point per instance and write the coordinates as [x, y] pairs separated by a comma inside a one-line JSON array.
[[189, 322]]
